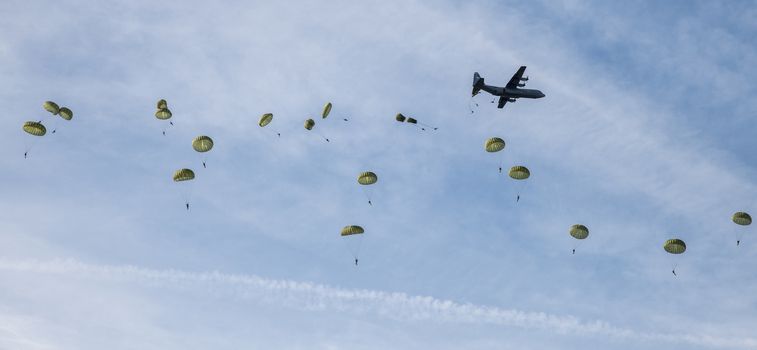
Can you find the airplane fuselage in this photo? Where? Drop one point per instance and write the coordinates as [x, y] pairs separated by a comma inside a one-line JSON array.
[[513, 93]]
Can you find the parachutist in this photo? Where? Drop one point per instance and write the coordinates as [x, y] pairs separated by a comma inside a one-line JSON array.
[[369, 203], [500, 170], [327, 140], [345, 119], [355, 262], [574, 251], [54, 130], [170, 122], [164, 133], [279, 134], [674, 273], [737, 243], [203, 165], [187, 206], [517, 199], [25, 154]]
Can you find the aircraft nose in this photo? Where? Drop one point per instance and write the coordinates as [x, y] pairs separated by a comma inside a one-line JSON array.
[[541, 94]]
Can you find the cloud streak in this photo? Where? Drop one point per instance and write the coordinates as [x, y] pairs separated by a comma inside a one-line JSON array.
[[393, 305]]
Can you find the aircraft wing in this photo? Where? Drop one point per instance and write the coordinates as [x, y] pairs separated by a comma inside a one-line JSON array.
[[513, 83], [502, 101]]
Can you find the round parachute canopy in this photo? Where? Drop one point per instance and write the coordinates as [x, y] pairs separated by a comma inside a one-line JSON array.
[[400, 118], [412, 121], [35, 128], [309, 124], [519, 172], [265, 119], [352, 230], [202, 143], [675, 246], [326, 110], [742, 218], [183, 175], [65, 113], [163, 114], [367, 178], [579, 231], [51, 107], [494, 144], [162, 104]]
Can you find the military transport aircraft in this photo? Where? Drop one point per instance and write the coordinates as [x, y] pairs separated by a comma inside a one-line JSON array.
[[510, 92]]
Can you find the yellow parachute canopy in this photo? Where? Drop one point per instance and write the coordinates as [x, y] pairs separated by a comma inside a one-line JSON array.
[[326, 110], [163, 114], [65, 113], [674, 246], [183, 175], [265, 119], [367, 178], [309, 124], [494, 144], [400, 118], [51, 107], [202, 143], [742, 218], [579, 231], [352, 230], [162, 104], [35, 128], [519, 172]]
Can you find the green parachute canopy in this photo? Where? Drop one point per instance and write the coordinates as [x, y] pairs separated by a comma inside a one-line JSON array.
[[412, 121], [51, 107], [400, 118], [352, 230], [367, 178], [265, 119], [65, 113], [35, 128], [326, 110], [183, 175], [309, 124], [674, 246], [579, 231], [162, 104], [519, 172], [494, 144], [742, 218], [163, 114], [202, 143]]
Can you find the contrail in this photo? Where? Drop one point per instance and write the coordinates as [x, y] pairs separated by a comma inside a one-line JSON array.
[[401, 306]]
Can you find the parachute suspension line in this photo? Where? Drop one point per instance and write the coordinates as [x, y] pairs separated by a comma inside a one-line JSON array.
[[427, 126]]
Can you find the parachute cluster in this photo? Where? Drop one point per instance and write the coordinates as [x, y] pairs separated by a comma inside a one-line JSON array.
[[366, 180]]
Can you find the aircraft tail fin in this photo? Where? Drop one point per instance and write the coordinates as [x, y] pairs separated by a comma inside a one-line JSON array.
[[478, 83]]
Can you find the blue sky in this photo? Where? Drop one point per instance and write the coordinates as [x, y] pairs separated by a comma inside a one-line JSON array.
[[646, 133]]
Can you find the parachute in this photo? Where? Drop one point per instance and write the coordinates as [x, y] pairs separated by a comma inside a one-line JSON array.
[[265, 119], [400, 118], [519, 172], [65, 113], [675, 246], [51, 107], [494, 144], [162, 104], [367, 178], [35, 128], [309, 124], [579, 231], [183, 175], [412, 121], [352, 230], [163, 114], [202, 144], [742, 218], [326, 110]]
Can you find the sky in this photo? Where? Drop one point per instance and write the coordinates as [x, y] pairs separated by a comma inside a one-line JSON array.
[[646, 133]]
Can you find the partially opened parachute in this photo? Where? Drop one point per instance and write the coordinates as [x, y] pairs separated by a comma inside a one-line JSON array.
[[265, 119], [674, 246], [202, 143], [162, 104], [65, 113], [579, 231], [35, 128], [326, 110], [51, 107], [183, 175], [367, 178], [400, 118], [742, 218], [494, 144], [519, 172], [352, 230]]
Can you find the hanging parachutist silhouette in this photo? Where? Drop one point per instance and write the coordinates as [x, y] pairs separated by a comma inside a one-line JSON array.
[[164, 133], [355, 261], [674, 273], [187, 205], [500, 170], [203, 165], [54, 130], [25, 154], [170, 122], [278, 133], [345, 119], [737, 243], [369, 203], [517, 199], [574, 251]]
